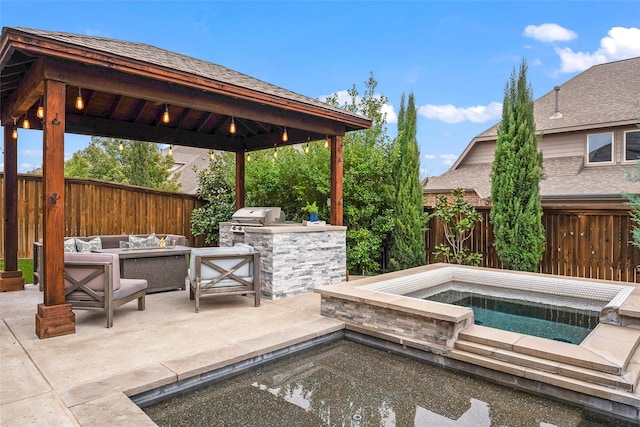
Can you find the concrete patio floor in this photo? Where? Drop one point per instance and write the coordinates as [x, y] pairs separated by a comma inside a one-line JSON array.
[[85, 378]]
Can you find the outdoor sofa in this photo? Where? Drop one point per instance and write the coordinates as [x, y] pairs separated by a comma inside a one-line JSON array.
[[89, 243]]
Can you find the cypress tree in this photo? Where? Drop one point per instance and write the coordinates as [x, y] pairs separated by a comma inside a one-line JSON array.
[[516, 212], [406, 242]]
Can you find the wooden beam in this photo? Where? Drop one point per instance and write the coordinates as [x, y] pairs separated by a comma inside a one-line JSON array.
[[336, 215], [240, 187], [111, 81], [84, 125], [54, 317], [29, 90], [10, 277]]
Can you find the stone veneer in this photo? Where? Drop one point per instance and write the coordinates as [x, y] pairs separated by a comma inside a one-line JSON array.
[[294, 258], [428, 325]]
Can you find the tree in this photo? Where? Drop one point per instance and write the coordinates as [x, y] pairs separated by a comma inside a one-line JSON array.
[[296, 178], [368, 170], [406, 242], [138, 163], [458, 218], [219, 198], [516, 212], [634, 201]]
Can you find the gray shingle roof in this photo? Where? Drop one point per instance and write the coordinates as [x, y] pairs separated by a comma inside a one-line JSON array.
[[565, 176], [597, 96], [174, 61], [602, 96]]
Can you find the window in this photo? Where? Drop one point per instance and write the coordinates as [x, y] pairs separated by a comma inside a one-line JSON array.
[[600, 148], [632, 146]]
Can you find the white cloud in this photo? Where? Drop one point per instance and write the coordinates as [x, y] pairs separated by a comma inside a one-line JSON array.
[[343, 98], [452, 114], [448, 159], [31, 153], [620, 43], [429, 156], [549, 33], [27, 167]]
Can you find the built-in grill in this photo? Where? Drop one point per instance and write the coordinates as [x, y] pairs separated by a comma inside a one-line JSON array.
[[255, 217]]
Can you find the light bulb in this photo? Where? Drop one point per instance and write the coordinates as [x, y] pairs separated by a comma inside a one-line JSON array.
[[14, 134], [121, 146], [306, 149], [275, 153], [40, 112], [285, 135], [171, 150], [212, 156], [248, 157], [326, 143], [232, 126], [79, 100], [25, 123], [165, 115]]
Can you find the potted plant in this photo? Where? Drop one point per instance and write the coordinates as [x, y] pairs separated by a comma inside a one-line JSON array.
[[313, 211]]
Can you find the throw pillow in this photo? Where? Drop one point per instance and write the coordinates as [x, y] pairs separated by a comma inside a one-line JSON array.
[[70, 245], [89, 246]]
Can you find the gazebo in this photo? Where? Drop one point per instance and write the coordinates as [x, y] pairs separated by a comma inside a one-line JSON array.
[[70, 83]]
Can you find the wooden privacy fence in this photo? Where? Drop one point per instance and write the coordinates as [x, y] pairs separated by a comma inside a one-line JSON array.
[[95, 207], [586, 242]]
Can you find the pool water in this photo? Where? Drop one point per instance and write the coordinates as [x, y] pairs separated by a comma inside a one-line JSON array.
[[542, 320], [349, 384]]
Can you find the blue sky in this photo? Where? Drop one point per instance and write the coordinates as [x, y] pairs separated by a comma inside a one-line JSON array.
[[455, 56]]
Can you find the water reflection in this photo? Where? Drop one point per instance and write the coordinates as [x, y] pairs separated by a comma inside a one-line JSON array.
[[348, 384]]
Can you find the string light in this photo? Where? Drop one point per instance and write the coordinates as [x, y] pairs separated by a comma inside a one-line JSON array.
[[25, 122], [248, 157], [121, 146], [165, 115], [275, 151], [211, 155], [171, 150], [232, 126], [14, 134], [326, 142], [79, 100], [40, 111], [285, 135], [306, 148]]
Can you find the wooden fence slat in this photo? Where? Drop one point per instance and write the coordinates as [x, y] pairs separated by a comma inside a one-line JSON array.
[[591, 242], [95, 207]]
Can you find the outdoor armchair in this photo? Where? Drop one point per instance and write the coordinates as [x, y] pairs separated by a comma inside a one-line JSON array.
[[224, 271], [92, 281]]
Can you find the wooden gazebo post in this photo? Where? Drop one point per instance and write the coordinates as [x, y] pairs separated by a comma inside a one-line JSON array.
[[240, 188], [336, 181], [10, 278], [54, 316]]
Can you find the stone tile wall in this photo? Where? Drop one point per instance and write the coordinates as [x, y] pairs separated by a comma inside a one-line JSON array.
[[296, 261], [438, 334]]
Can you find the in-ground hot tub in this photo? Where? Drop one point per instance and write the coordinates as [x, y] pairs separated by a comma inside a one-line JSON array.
[[516, 301]]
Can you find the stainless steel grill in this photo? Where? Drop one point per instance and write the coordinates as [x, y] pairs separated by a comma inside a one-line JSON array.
[[256, 217]]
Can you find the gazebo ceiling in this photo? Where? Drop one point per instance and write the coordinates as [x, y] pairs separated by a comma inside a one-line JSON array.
[[127, 86]]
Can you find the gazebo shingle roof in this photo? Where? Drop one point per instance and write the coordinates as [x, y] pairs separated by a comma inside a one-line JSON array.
[[175, 61]]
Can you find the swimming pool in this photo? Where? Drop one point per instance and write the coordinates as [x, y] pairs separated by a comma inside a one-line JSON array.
[[349, 384]]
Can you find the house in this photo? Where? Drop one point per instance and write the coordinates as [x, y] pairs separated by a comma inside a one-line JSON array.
[[187, 161], [590, 140]]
